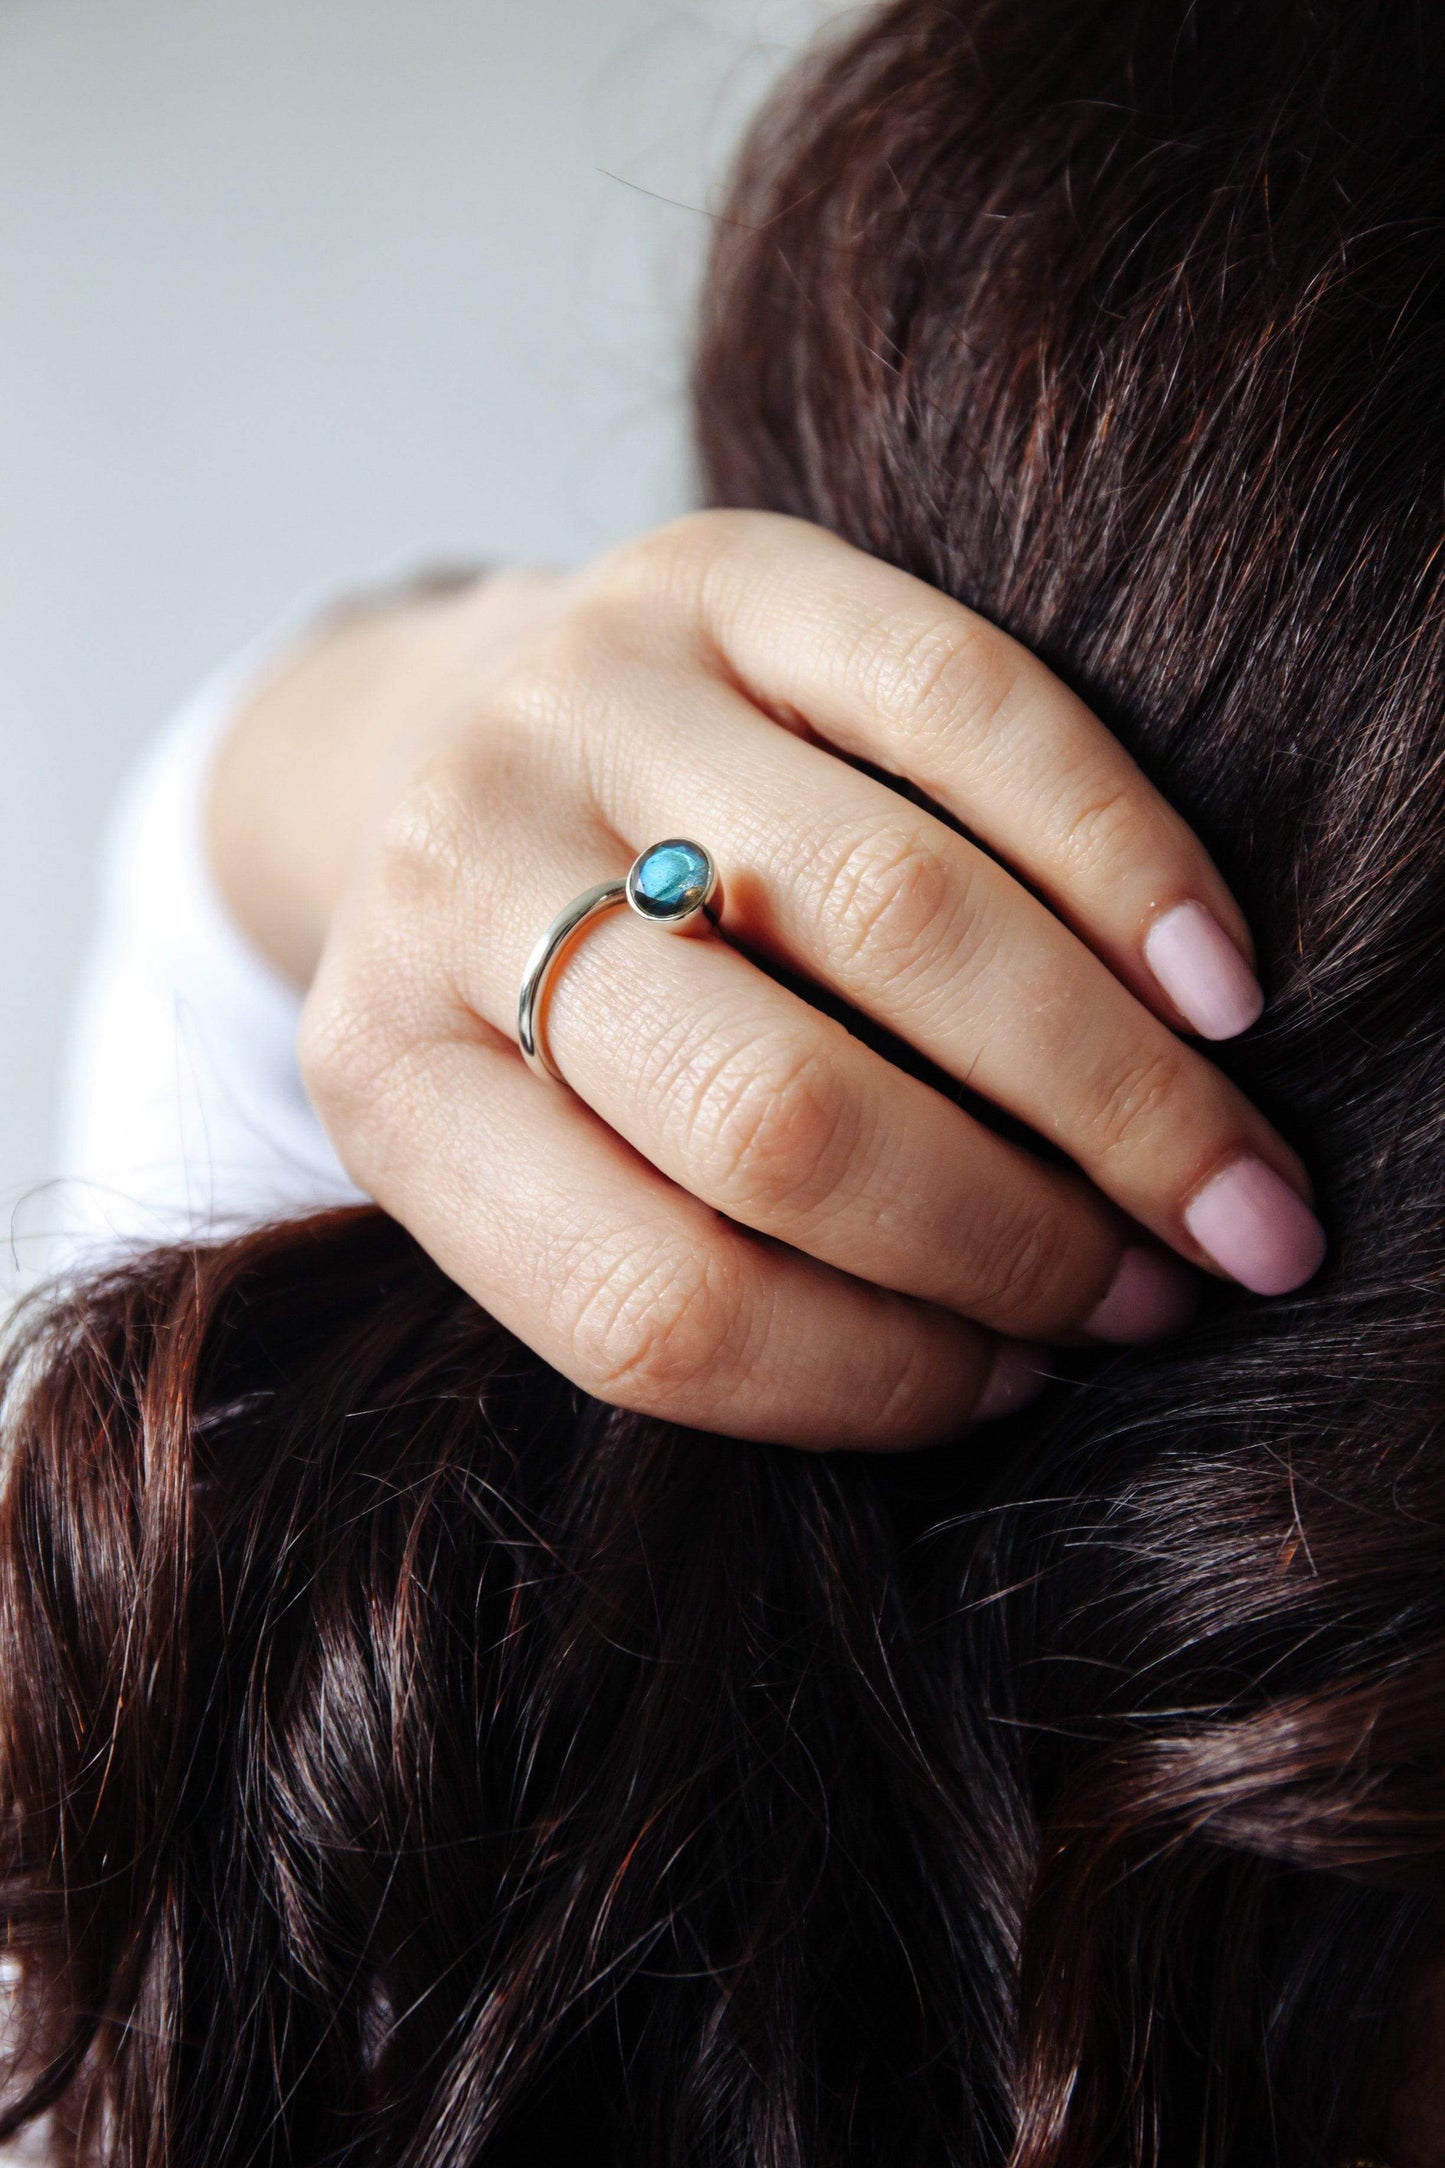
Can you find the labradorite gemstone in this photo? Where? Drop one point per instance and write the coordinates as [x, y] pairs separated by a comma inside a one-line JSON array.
[[672, 877]]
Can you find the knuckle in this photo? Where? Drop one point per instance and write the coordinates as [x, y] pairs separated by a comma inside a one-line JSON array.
[[341, 1037], [1142, 1092], [1026, 1265], [1102, 828], [700, 538], [906, 1387], [680, 562], [331, 1031], [947, 676], [768, 1128], [546, 688], [883, 900], [353, 1045], [430, 834], [653, 1323], [662, 560]]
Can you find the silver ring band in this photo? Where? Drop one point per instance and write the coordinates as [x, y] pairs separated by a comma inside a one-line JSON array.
[[673, 885]]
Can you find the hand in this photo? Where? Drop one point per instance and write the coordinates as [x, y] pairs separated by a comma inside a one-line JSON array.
[[739, 1215]]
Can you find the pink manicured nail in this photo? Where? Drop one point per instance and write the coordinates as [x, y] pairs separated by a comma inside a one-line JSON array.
[[1256, 1229], [1202, 972], [1150, 1296], [1019, 1375]]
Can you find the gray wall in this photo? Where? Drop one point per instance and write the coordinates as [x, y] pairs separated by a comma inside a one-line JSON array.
[[291, 290]]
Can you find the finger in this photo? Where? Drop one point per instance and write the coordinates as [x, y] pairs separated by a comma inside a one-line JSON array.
[[891, 671], [912, 924], [625, 1284], [774, 1114]]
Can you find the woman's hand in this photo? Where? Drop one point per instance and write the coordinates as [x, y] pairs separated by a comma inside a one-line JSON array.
[[739, 1215]]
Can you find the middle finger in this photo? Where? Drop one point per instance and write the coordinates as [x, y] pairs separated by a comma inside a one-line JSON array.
[[875, 897]]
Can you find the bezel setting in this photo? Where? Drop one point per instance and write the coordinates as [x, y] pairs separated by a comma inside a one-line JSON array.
[[697, 895]]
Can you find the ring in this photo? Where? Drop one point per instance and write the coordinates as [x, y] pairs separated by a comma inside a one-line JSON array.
[[671, 884]]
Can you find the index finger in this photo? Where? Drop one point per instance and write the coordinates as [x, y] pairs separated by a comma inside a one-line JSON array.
[[886, 668]]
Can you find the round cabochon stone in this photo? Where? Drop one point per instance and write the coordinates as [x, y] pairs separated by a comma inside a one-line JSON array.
[[672, 878]]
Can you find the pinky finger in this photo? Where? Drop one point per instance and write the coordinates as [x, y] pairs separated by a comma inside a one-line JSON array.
[[640, 1294]]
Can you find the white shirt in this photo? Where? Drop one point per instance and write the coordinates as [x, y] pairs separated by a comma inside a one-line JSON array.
[[182, 1109]]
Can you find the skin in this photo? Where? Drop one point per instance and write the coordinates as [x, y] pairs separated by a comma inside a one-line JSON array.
[[738, 1216]]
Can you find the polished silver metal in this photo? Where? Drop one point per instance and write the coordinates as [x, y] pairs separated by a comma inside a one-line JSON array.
[[684, 916]]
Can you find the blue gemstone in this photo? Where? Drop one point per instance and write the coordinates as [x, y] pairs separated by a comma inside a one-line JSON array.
[[672, 877]]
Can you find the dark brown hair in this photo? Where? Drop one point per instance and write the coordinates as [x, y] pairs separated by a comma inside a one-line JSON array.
[[406, 1761]]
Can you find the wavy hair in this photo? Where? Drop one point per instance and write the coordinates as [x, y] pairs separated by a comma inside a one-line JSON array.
[[406, 1761]]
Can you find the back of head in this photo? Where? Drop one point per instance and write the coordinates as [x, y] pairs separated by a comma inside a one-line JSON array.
[[402, 1761]]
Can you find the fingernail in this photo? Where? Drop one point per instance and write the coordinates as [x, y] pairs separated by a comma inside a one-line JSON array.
[[1256, 1229], [1202, 972], [1150, 1296], [1017, 1377]]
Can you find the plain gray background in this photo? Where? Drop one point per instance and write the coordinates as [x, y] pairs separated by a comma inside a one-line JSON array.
[[292, 292]]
